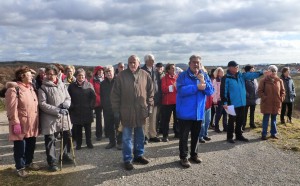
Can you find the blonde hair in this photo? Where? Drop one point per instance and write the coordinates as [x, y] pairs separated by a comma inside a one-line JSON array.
[[217, 71], [71, 67]]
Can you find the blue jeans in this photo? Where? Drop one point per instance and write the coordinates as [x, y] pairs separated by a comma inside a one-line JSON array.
[[266, 122], [205, 123], [24, 151], [138, 143]]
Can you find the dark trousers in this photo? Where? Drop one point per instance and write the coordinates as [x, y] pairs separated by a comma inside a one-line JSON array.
[[289, 110], [50, 146], [88, 133], [212, 112], [98, 112], [159, 119], [166, 116], [220, 111], [112, 126], [252, 111], [239, 120], [185, 127], [23, 152]]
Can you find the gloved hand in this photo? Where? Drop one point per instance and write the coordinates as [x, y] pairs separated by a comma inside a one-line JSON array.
[[17, 128], [64, 111], [64, 105]]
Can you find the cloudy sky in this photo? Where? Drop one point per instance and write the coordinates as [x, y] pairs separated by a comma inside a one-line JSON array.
[[101, 32]]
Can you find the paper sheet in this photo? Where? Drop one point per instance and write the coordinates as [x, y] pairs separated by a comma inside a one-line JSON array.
[[230, 110]]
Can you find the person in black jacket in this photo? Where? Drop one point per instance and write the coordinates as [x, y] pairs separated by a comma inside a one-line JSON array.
[[290, 95], [112, 122], [251, 97]]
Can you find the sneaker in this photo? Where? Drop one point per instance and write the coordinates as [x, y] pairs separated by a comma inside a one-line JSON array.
[[128, 166], [52, 168], [165, 139], [195, 159], [274, 137], [207, 138], [90, 146], [33, 167], [230, 141], [141, 160], [185, 163], [155, 139], [201, 140], [110, 145], [264, 138], [242, 138], [22, 173], [119, 146]]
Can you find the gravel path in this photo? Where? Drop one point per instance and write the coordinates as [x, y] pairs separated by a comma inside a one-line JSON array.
[[254, 163]]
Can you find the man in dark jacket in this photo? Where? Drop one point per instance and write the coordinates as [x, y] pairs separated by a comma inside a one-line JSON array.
[[150, 127], [112, 124], [132, 100]]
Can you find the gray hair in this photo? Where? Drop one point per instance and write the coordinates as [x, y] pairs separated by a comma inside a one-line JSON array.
[[273, 68], [148, 57], [135, 57], [53, 68], [109, 68], [41, 69], [195, 57], [80, 71]]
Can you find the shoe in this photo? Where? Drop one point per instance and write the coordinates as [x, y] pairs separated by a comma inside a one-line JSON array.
[[289, 121], [242, 138], [243, 128], [155, 139], [78, 147], [201, 140], [66, 159], [33, 167], [146, 141], [99, 138], [110, 145], [128, 165], [195, 159], [230, 141], [52, 168], [141, 160], [274, 137], [253, 126], [165, 139], [90, 146], [207, 138], [282, 122], [218, 131], [264, 138], [22, 173], [119, 146], [185, 163]]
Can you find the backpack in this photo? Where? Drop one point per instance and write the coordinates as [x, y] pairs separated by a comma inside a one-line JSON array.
[[3, 91]]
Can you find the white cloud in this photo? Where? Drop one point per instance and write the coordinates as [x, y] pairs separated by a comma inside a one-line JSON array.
[[105, 32]]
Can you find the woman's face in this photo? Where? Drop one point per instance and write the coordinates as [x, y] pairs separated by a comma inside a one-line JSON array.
[[80, 77], [220, 73], [27, 78], [287, 73], [100, 72], [51, 76], [171, 71], [70, 72]]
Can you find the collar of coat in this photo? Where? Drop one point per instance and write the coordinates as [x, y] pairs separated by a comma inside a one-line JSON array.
[[192, 75], [272, 80]]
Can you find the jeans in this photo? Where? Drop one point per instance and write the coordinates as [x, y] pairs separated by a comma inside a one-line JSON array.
[[266, 123], [98, 112], [252, 111], [166, 115], [23, 152], [138, 143], [88, 134], [220, 111], [185, 126], [283, 110], [239, 120], [205, 123]]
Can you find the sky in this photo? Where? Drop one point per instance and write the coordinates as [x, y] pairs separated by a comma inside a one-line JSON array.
[[103, 32]]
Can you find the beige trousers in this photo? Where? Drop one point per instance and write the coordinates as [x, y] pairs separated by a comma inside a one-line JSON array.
[[150, 126]]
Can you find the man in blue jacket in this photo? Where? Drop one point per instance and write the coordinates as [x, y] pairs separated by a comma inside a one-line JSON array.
[[233, 92], [192, 87]]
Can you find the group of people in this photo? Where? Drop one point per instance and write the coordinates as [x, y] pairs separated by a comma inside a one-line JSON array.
[[137, 104]]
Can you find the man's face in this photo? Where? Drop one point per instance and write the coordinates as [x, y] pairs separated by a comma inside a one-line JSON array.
[[160, 69], [150, 62], [195, 65], [121, 67], [233, 70], [133, 64], [109, 74]]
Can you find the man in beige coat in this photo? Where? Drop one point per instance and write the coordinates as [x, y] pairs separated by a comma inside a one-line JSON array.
[[131, 99]]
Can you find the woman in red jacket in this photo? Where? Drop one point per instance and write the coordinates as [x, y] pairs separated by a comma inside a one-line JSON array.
[[168, 86]]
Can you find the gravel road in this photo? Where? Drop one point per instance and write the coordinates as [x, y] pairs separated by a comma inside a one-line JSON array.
[[254, 163]]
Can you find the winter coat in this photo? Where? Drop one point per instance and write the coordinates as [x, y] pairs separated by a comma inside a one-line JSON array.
[[21, 104], [217, 85], [82, 103], [106, 87], [233, 90], [155, 76], [190, 101], [95, 81], [290, 92], [51, 96], [272, 93], [251, 91], [168, 98], [132, 97]]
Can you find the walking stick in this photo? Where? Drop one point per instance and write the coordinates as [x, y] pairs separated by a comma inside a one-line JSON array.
[[71, 140], [62, 142]]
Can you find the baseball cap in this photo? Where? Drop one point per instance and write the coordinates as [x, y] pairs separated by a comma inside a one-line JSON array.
[[232, 64]]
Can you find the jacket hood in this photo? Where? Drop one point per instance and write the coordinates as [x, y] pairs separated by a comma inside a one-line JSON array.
[[11, 84], [97, 68], [49, 83]]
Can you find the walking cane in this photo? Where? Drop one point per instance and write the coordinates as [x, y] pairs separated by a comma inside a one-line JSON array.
[[71, 140], [62, 142]]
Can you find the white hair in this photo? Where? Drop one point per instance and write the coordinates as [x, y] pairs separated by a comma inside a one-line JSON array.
[[273, 68], [109, 68], [148, 57], [217, 71]]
